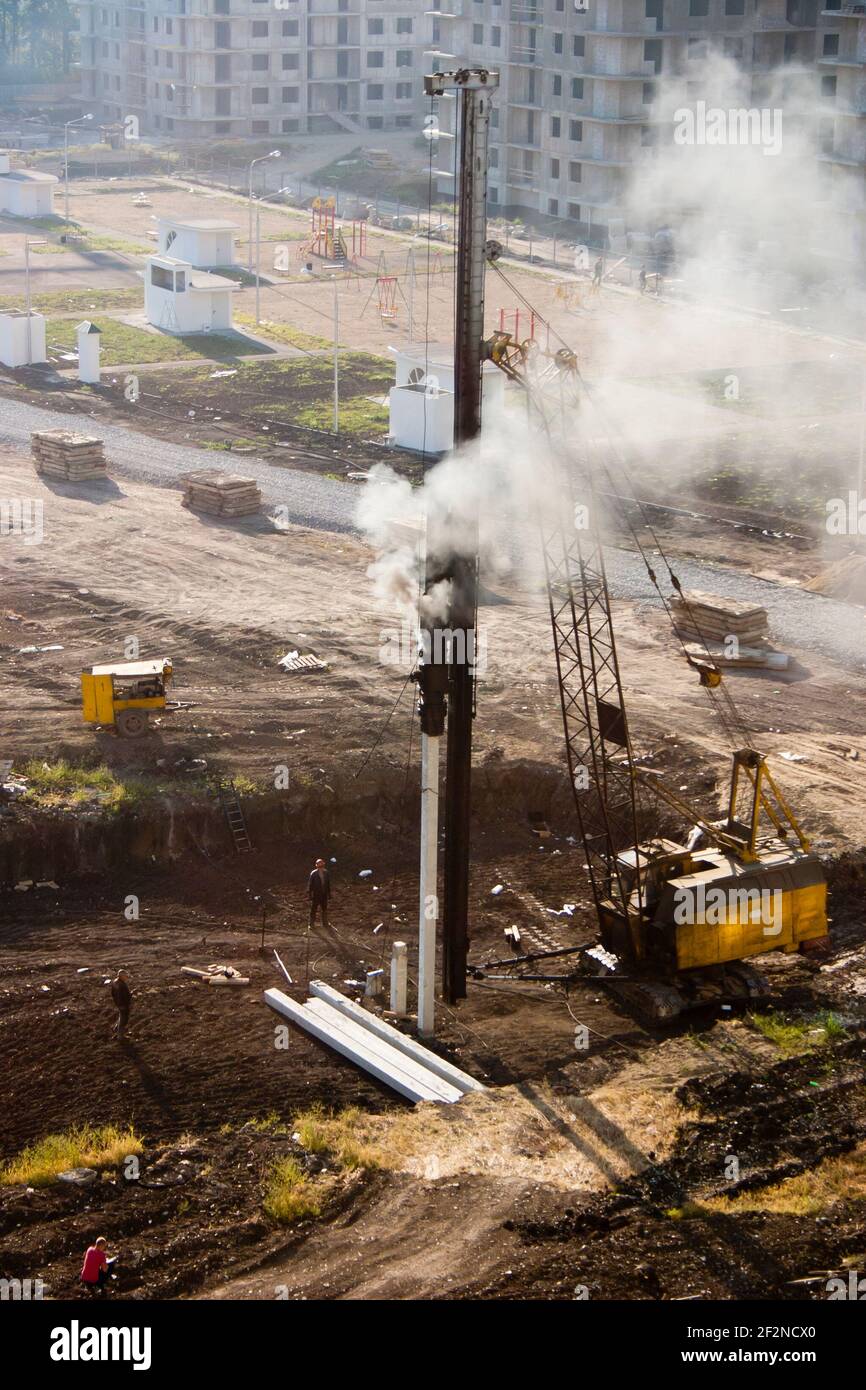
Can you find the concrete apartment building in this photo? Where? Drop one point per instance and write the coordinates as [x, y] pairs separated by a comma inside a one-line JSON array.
[[200, 69], [841, 62], [579, 79]]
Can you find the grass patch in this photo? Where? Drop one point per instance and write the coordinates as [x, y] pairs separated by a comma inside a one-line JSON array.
[[286, 235], [99, 241], [266, 1124], [75, 301], [290, 1195], [275, 392], [66, 784], [121, 343], [86, 1146], [358, 415], [342, 1135], [808, 1194], [85, 239], [283, 333], [794, 1036]]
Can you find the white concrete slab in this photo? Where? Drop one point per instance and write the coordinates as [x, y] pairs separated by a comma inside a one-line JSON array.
[[366, 1052], [415, 1071], [438, 1065]]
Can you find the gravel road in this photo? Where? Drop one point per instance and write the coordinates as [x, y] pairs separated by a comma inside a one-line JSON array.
[[801, 620]]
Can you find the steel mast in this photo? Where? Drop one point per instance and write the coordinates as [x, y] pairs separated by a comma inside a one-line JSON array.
[[474, 88]]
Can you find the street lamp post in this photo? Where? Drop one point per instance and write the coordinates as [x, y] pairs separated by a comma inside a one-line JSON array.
[[80, 121], [274, 154]]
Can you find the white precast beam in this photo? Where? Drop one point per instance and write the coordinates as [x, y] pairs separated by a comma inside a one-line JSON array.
[[362, 1052], [373, 1024], [357, 1033]]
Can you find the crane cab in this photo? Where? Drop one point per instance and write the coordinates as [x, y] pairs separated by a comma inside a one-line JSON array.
[[122, 694], [707, 907]]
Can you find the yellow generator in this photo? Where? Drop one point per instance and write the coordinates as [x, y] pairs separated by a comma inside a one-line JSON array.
[[123, 694]]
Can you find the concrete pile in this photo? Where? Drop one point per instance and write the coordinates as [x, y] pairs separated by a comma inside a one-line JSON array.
[[221, 494], [72, 458]]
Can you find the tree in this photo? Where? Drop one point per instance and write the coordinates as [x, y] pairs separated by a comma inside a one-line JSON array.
[[35, 38]]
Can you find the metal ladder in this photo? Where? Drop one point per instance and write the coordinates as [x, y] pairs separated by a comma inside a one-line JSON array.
[[231, 804]]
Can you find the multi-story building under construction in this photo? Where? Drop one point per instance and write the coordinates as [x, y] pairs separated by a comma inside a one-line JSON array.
[[200, 69], [580, 81]]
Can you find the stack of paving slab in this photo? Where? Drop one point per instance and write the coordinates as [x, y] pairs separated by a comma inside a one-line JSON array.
[[221, 494], [401, 1062], [710, 621], [72, 458]]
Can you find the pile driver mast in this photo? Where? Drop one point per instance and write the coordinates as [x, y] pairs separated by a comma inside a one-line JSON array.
[[447, 668]]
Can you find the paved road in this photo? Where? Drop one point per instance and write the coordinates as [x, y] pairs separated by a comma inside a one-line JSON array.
[[802, 620]]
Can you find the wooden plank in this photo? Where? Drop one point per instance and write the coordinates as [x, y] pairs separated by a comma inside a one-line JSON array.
[[392, 1072], [461, 1079]]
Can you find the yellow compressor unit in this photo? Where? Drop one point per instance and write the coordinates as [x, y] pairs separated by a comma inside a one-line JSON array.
[[123, 694]]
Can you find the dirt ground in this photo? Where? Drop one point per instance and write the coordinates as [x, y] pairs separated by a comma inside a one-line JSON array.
[[530, 1171], [574, 1171], [226, 602]]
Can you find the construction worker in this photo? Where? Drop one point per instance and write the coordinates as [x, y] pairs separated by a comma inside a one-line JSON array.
[[122, 996], [97, 1266], [597, 273], [319, 889], [641, 279]]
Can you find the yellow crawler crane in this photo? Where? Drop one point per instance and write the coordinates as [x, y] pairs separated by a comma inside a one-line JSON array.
[[122, 694]]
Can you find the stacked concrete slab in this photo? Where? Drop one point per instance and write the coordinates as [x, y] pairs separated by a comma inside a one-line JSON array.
[[710, 616], [707, 622], [221, 494], [69, 457]]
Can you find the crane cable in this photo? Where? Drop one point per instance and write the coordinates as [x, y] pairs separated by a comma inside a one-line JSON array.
[[720, 696]]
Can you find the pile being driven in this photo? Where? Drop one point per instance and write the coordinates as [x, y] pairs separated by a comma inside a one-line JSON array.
[[221, 494], [72, 458]]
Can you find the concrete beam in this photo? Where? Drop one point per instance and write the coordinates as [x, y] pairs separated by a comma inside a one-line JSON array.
[[438, 1065], [345, 1036]]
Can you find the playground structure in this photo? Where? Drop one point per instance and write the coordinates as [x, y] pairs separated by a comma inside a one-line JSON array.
[[572, 296], [329, 241], [510, 323], [385, 289], [386, 286]]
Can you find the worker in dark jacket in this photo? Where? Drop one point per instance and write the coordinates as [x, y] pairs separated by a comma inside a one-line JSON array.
[[122, 996], [319, 889]]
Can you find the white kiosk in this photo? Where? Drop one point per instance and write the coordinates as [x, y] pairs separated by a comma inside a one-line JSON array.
[[180, 299], [421, 402], [206, 242], [25, 192], [22, 339]]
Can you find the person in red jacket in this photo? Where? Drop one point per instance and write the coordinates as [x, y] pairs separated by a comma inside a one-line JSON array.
[[97, 1265]]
